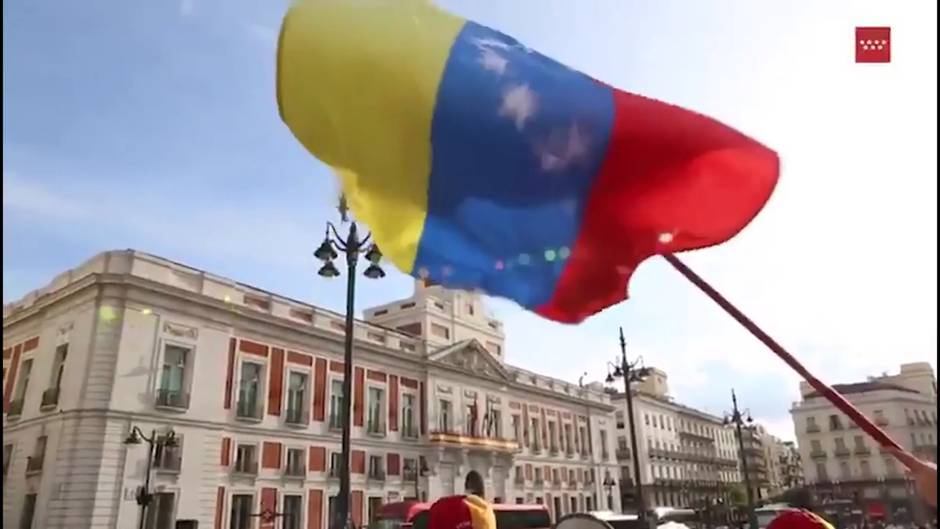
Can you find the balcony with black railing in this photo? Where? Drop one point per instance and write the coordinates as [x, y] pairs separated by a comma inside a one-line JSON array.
[[34, 464], [375, 428], [375, 476], [818, 454], [519, 479], [297, 417], [409, 432], [172, 399], [862, 451], [248, 410], [812, 428], [16, 408], [245, 467], [169, 463], [50, 399], [295, 470], [333, 474], [842, 451], [336, 422], [409, 476], [623, 453]]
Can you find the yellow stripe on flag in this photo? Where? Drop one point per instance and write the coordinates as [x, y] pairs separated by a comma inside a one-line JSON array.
[[356, 84]]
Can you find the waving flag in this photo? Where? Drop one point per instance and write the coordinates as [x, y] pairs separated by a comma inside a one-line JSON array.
[[479, 163]]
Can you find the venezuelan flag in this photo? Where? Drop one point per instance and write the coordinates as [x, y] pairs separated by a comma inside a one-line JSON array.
[[479, 163]]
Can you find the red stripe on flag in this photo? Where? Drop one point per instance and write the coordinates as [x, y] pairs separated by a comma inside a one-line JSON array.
[[672, 180]]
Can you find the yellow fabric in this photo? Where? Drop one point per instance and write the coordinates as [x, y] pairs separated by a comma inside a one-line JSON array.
[[481, 513], [349, 98]]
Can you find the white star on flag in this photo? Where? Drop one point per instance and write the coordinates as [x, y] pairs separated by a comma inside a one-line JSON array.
[[519, 104], [562, 149], [490, 43], [492, 61]]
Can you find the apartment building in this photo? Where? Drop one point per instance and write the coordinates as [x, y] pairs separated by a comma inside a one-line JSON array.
[[687, 457], [841, 461], [248, 384]]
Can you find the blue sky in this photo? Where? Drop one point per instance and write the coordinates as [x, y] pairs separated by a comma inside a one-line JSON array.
[[152, 125]]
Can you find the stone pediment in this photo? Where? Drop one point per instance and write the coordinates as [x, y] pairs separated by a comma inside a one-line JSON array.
[[472, 357]]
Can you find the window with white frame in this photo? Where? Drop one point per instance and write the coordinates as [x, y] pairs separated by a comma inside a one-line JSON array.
[[292, 510], [250, 389], [172, 390], [294, 462], [240, 516], [336, 403], [444, 415], [160, 511], [375, 425], [296, 397], [408, 424]]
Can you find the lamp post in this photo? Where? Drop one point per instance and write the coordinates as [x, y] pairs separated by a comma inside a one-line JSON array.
[[739, 420], [153, 441], [351, 246], [629, 372]]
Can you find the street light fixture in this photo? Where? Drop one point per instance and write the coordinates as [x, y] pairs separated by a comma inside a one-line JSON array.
[[630, 373], [154, 440], [351, 246], [742, 421]]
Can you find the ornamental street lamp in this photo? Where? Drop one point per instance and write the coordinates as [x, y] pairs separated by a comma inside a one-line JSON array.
[[351, 246], [739, 420], [629, 373], [154, 440]]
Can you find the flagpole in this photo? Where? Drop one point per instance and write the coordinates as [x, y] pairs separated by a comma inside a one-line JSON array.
[[832, 395]]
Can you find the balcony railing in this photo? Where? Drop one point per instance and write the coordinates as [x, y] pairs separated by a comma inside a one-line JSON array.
[[519, 479], [585, 454], [569, 451], [336, 421], [862, 450], [334, 472], [50, 398], [296, 417], [842, 451], [295, 471], [375, 475], [408, 431], [538, 482], [812, 428], [248, 410], [172, 399], [818, 454], [455, 440], [245, 467], [409, 476], [623, 453], [168, 463], [375, 428], [16, 408], [553, 450], [34, 464]]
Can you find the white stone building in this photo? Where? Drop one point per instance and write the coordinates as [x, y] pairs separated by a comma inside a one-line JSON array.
[[249, 383], [686, 456], [841, 461]]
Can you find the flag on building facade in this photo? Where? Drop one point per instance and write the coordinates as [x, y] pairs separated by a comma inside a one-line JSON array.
[[479, 163]]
